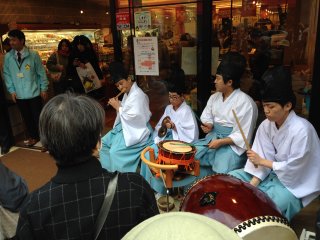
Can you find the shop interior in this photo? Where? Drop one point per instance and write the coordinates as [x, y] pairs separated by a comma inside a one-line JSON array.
[[284, 30]]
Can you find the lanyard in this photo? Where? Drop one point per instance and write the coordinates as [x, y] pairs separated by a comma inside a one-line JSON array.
[[19, 65]]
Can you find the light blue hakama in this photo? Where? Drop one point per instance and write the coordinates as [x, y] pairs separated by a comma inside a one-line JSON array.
[[287, 203], [221, 160], [156, 182], [116, 156]]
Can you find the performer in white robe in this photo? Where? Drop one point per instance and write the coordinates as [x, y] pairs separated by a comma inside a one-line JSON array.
[[225, 146], [131, 133], [185, 124], [178, 123], [286, 149]]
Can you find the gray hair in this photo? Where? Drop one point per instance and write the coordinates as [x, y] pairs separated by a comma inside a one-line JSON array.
[[70, 127]]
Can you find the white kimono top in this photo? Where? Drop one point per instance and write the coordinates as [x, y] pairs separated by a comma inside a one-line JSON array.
[[134, 115], [294, 149], [219, 111], [185, 122]]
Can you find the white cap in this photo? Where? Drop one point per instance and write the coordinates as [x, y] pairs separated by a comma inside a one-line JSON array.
[[181, 225]]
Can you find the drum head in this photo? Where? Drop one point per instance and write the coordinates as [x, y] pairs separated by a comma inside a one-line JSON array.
[[176, 146], [268, 228], [181, 225]]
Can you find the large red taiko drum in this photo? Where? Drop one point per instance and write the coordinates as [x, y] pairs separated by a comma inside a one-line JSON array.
[[239, 205]]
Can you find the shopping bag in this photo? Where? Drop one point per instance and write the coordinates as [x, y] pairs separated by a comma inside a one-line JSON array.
[[88, 77]]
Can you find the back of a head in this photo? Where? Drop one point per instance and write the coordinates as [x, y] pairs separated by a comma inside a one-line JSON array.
[[83, 40], [181, 225], [70, 127], [232, 67], [276, 86]]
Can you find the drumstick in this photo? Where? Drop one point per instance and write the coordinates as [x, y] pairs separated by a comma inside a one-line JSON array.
[[197, 117], [123, 91], [242, 133]]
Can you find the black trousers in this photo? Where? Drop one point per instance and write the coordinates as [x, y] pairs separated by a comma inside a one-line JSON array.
[[6, 136], [30, 110]]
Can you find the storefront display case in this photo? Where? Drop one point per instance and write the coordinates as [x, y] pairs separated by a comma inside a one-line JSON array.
[[44, 38]]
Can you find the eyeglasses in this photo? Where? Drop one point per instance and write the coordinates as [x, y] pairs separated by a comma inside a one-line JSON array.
[[174, 97]]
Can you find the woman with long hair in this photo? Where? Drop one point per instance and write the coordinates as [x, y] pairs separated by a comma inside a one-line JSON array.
[[58, 62]]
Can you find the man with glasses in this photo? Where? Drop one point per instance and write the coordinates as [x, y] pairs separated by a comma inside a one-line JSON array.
[[177, 123]]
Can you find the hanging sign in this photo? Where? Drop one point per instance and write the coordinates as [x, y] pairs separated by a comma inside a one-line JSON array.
[[123, 21], [146, 58], [142, 20]]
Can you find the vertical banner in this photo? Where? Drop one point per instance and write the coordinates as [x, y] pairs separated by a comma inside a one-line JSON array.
[[146, 57], [142, 20], [248, 8], [123, 21]]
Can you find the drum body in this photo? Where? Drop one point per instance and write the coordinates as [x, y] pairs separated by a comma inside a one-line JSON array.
[[239, 205], [177, 152]]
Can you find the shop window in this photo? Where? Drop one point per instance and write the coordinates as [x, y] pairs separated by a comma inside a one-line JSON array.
[[267, 33]]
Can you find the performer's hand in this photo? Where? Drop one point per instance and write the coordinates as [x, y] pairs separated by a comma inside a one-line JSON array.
[[44, 96], [170, 124], [206, 127], [254, 157], [216, 143], [115, 103], [255, 181], [82, 65], [14, 97]]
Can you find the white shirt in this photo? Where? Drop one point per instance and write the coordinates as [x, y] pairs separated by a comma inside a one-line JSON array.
[[22, 52], [294, 149], [219, 111], [134, 115], [185, 122]]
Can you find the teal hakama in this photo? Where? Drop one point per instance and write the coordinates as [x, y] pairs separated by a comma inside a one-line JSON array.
[[116, 156], [288, 204], [221, 160]]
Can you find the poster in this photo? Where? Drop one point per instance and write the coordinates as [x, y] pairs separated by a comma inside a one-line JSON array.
[[142, 20], [214, 60], [189, 60], [89, 78], [123, 21], [146, 58]]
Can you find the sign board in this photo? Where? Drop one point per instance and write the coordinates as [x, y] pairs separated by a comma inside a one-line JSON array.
[[142, 20], [123, 21], [146, 57]]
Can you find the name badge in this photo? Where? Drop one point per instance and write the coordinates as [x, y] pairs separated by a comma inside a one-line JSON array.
[[19, 75]]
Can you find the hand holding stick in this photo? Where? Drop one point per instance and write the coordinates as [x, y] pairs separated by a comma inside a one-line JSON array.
[[242, 133]]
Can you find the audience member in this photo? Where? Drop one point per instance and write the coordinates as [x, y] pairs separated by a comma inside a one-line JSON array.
[[68, 205]]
